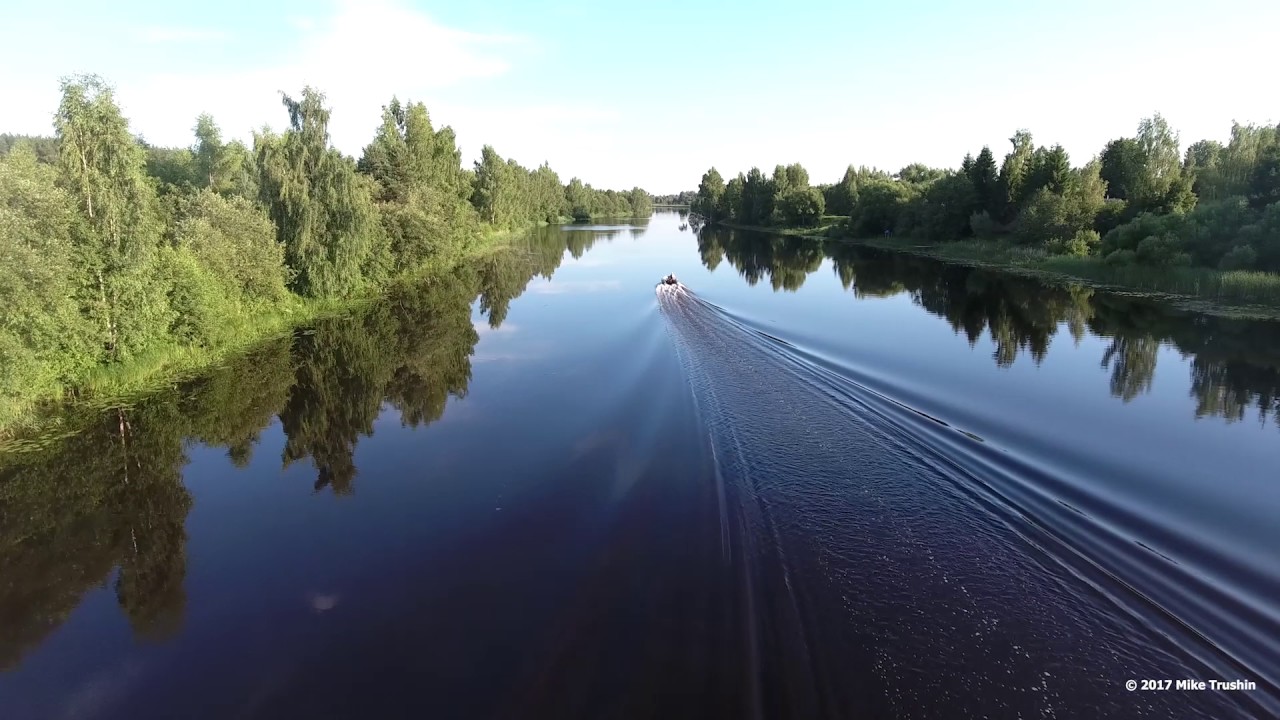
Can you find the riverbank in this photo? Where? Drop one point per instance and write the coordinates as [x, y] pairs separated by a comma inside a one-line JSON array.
[[165, 365], [1234, 293]]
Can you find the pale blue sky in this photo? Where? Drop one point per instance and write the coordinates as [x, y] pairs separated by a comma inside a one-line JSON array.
[[653, 93]]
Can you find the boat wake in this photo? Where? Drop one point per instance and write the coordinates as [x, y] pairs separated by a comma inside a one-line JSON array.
[[897, 565]]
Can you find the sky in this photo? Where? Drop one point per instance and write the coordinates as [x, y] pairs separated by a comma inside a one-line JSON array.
[[654, 93]]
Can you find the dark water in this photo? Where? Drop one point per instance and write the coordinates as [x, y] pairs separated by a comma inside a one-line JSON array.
[[815, 482]]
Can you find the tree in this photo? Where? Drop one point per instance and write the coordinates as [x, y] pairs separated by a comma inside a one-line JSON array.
[[323, 211], [757, 198], [224, 167], [802, 206], [880, 203], [841, 197], [797, 176], [1050, 168], [1054, 220], [641, 204], [985, 182], [1013, 174], [915, 173], [1203, 163], [1264, 186], [1160, 160], [44, 338], [225, 267], [1122, 168], [942, 210], [104, 168], [422, 190], [710, 190], [733, 199]]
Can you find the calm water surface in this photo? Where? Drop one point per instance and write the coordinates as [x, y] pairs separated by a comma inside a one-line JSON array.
[[818, 481]]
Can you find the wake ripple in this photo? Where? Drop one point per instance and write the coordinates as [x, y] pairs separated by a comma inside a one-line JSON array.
[[887, 575]]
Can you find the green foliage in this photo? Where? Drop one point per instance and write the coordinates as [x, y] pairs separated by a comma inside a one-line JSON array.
[[44, 147], [1081, 244], [982, 225], [1241, 257], [173, 169], [1049, 168], [1264, 185], [113, 250], [422, 191], [1122, 168], [1013, 175], [1203, 163], [710, 190], [235, 242], [880, 203], [225, 168], [942, 210], [1164, 250], [756, 207], [842, 196], [915, 173], [45, 339], [324, 213], [802, 206], [1111, 215], [985, 182], [104, 169]]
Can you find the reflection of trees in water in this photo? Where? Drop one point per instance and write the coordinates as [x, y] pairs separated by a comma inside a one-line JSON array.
[[1132, 360], [579, 240], [110, 498], [710, 250], [1235, 364], [787, 261]]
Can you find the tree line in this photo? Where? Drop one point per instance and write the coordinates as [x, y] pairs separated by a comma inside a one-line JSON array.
[[1141, 200], [684, 197], [111, 248], [1234, 372]]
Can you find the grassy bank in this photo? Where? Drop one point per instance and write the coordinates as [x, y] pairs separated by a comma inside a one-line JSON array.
[[168, 364], [1254, 294]]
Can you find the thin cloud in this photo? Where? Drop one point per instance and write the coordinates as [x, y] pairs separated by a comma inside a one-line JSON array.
[[158, 34], [359, 55]]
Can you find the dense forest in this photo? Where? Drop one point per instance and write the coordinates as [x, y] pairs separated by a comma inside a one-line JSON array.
[[112, 249], [1140, 201], [1233, 374]]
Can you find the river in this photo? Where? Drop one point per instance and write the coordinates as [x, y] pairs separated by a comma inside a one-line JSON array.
[[816, 480]]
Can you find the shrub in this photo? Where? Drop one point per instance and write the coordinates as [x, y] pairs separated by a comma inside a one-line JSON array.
[[1080, 245], [1162, 250], [1241, 257], [983, 226], [802, 206], [1121, 257]]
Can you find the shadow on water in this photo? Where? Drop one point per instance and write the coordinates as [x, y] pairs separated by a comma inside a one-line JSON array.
[[1235, 363]]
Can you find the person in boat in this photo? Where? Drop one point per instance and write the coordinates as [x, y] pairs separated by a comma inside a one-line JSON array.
[[670, 280]]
